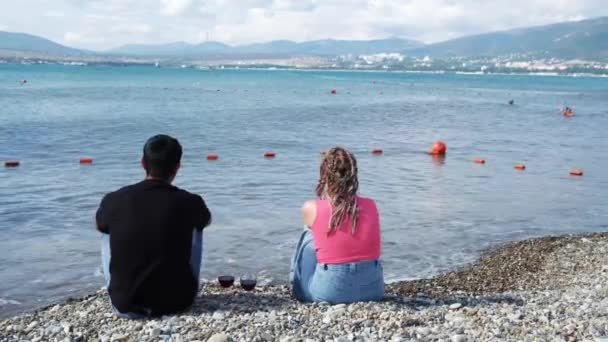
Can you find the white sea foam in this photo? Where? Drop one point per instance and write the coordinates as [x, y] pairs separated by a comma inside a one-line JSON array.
[[4, 302]]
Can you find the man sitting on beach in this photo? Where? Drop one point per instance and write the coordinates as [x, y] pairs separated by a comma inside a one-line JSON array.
[[152, 238]]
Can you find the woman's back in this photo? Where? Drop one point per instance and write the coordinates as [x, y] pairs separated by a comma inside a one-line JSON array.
[[345, 245], [336, 260]]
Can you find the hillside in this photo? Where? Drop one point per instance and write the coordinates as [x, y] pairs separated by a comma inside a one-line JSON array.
[[327, 47], [24, 42], [331, 47], [171, 49], [580, 39]]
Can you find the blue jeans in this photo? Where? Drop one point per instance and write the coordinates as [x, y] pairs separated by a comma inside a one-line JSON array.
[[195, 263], [333, 283]]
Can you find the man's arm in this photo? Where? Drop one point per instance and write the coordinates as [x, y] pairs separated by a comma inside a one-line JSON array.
[[101, 218], [202, 215]]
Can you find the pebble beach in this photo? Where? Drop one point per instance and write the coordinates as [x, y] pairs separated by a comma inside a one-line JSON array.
[[545, 289]]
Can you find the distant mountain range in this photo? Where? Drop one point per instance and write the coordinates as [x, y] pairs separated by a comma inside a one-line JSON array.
[[580, 39], [30, 43], [329, 47], [577, 39], [171, 49]]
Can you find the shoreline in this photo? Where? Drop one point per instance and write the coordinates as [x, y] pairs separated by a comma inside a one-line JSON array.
[[549, 288], [337, 70]]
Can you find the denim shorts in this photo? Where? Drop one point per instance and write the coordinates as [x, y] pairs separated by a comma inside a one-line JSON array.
[[348, 282]]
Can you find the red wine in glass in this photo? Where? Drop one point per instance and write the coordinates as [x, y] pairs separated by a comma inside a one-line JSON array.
[[226, 280], [248, 281]]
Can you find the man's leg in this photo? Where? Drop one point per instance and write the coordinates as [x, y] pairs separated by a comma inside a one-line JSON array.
[[105, 268], [105, 258], [303, 266], [197, 255]]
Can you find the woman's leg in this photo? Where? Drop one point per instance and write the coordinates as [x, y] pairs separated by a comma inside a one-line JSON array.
[[303, 266], [196, 257]]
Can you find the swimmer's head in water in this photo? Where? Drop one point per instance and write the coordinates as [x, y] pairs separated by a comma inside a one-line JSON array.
[[338, 183]]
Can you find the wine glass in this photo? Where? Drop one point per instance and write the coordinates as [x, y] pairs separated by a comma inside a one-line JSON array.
[[225, 280], [248, 281]]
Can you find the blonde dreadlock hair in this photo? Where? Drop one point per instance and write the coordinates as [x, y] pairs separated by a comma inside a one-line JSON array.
[[338, 183]]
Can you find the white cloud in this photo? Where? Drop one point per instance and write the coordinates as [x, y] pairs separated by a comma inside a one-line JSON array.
[[72, 37], [54, 14], [131, 28], [101, 24], [302, 5], [174, 7]]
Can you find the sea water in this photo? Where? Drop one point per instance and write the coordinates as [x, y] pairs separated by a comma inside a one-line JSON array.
[[435, 214]]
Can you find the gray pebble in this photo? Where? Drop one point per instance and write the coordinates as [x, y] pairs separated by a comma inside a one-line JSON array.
[[31, 326], [119, 338], [459, 338], [155, 332], [67, 327], [218, 338], [424, 331], [218, 316], [455, 306]]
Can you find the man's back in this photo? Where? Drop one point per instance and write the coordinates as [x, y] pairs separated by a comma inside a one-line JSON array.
[[150, 225]]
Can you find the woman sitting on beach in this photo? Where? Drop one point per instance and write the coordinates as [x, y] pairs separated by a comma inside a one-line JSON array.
[[337, 258]]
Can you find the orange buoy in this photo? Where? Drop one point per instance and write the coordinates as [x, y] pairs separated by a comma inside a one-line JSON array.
[[11, 163], [439, 148], [377, 151], [86, 160], [576, 172], [269, 154], [520, 167], [212, 156], [568, 112], [479, 160], [334, 91]]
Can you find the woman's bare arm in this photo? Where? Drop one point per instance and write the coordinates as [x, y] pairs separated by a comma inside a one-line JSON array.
[[309, 212]]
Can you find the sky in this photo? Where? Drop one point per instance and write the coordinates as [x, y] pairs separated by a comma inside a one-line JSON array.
[[105, 24]]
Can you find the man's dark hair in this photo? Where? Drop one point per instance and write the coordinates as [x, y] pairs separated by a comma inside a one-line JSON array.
[[162, 155]]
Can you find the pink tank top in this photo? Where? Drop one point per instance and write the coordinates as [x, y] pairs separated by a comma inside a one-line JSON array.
[[341, 246]]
